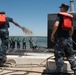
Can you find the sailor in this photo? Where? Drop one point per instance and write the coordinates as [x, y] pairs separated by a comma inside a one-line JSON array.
[[24, 43], [31, 42], [13, 42], [4, 34], [63, 28], [18, 43]]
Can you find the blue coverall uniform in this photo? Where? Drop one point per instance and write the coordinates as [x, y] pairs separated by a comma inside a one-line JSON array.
[[64, 47], [4, 36]]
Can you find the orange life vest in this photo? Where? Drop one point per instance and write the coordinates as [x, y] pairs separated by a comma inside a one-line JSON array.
[[2, 19], [67, 20]]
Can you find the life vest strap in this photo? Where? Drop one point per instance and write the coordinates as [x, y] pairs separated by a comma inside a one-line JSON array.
[[66, 14]]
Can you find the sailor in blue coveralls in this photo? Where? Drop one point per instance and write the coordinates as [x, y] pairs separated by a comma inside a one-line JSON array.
[[4, 36], [64, 44]]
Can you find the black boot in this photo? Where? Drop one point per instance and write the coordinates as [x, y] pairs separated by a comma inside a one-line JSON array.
[[58, 73], [74, 72], [1, 63]]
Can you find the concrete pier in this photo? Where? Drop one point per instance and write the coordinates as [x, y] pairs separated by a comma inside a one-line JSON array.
[[32, 64], [28, 64]]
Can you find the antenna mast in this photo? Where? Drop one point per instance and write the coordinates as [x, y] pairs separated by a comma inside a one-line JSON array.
[[71, 5]]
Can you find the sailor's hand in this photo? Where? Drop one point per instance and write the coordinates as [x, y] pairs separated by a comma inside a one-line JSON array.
[[52, 38], [26, 30], [30, 31]]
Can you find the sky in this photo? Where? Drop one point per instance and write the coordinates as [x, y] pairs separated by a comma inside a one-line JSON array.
[[32, 14]]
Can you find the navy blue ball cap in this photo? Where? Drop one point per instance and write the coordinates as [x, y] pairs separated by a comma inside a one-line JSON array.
[[64, 6], [2, 12]]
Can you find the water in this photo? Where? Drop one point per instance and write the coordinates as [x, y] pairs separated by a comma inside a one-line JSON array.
[[38, 40]]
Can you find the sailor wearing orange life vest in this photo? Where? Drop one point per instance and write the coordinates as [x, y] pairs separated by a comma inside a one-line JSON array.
[[63, 28], [4, 34]]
